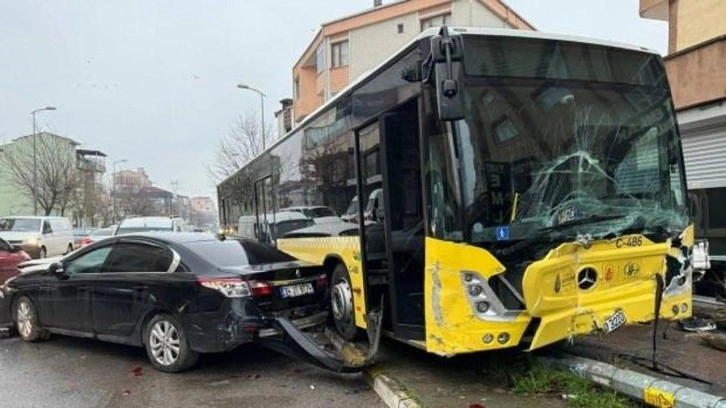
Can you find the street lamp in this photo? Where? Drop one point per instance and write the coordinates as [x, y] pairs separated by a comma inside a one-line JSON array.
[[35, 160], [113, 189], [262, 108]]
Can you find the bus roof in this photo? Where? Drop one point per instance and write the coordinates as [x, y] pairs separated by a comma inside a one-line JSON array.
[[430, 32]]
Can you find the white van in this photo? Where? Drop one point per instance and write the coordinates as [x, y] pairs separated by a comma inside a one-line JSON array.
[[38, 236]]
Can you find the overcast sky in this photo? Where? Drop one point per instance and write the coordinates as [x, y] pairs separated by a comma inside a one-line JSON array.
[[154, 81]]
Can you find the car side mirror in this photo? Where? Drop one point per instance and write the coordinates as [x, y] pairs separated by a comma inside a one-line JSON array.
[[56, 268]]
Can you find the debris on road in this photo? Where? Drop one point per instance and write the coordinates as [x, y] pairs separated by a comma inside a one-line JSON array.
[[714, 340], [138, 371]]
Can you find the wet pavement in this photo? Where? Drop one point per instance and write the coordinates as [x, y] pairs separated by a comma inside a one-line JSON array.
[[72, 372], [681, 350]]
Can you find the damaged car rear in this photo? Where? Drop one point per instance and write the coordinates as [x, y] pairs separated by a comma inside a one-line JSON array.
[[177, 295]]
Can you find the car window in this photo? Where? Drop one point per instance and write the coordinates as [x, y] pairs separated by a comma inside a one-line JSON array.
[[90, 262], [135, 257], [4, 246], [46, 228]]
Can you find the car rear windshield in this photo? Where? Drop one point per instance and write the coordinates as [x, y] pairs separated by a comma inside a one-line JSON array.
[[318, 212], [233, 252]]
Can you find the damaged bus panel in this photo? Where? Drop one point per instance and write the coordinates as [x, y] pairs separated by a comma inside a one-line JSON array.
[[522, 189]]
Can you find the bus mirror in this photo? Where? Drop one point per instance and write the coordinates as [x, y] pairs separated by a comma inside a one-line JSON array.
[[447, 53]]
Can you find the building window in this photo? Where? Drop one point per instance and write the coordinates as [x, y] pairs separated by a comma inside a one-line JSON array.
[[339, 54], [436, 21], [320, 58], [296, 88], [400, 28]]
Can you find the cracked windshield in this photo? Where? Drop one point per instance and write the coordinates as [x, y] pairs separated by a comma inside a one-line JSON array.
[[559, 135], [362, 203]]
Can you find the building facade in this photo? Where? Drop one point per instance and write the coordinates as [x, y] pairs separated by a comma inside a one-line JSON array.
[[68, 178], [345, 48], [695, 65]]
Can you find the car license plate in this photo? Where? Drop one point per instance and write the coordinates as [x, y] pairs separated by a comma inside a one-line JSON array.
[[615, 321], [301, 289]]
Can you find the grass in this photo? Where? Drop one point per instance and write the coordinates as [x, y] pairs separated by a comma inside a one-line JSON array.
[[540, 379]]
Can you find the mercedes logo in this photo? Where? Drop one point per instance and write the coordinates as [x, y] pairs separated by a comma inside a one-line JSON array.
[[586, 278]]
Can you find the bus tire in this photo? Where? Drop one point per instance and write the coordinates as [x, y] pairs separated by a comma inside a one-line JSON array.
[[342, 306]]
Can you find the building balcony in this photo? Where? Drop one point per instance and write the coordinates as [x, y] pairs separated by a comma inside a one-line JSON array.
[[654, 9], [697, 74]]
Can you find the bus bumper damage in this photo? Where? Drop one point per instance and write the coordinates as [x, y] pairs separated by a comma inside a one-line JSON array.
[[574, 289], [318, 350]]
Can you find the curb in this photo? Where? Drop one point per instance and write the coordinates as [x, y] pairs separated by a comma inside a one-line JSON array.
[[390, 391], [651, 390]]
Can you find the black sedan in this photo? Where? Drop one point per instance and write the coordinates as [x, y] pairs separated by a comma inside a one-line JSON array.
[[176, 294]]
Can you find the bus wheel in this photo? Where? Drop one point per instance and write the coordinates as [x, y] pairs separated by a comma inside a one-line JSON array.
[[341, 303]]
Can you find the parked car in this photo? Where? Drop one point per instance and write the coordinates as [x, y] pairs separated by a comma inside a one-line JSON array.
[[40, 237], [79, 234], [318, 213], [176, 294], [272, 226], [10, 257], [96, 235], [147, 224]]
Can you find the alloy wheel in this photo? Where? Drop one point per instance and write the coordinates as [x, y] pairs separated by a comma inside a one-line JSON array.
[[164, 342], [25, 319], [342, 300]]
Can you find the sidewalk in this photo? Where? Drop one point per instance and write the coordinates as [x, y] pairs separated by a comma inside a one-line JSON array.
[[681, 350]]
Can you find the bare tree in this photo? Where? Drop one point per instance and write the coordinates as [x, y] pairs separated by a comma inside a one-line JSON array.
[[132, 200], [239, 147], [53, 176]]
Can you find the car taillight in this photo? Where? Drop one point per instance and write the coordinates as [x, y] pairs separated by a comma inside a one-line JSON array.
[[237, 288]]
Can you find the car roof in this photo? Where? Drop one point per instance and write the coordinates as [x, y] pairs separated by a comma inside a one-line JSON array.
[[171, 237], [277, 217], [143, 221], [35, 217]]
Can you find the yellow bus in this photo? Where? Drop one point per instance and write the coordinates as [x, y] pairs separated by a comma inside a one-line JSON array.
[[500, 188]]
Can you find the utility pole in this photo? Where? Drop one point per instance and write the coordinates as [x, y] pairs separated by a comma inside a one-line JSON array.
[[262, 111], [35, 158]]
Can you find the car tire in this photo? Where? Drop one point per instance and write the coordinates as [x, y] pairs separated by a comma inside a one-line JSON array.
[[26, 321], [43, 253], [342, 305], [166, 344]]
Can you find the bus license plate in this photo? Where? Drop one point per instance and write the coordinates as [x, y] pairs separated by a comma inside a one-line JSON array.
[[615, 321], [301, 289]]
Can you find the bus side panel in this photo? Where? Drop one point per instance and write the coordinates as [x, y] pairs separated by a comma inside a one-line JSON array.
[[316, 250], [451, 325]]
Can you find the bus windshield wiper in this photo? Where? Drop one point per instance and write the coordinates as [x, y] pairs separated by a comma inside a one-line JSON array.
[[543, 234], [581, 221]]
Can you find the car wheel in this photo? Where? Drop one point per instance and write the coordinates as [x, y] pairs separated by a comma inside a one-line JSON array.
[[166, 344], [42, 253], [26, 321], [342, 304]]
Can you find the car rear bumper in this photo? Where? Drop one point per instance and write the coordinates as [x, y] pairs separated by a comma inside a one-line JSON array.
[[238, 322]]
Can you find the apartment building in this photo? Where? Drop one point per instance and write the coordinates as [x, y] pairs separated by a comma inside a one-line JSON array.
[[695, 65], [347, 47]]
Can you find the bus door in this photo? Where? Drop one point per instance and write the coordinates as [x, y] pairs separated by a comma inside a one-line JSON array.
[[388, 157], [403, 219], [263, 206]]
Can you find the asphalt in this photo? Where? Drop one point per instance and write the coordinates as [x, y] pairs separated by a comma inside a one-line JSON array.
[[72, 372]]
